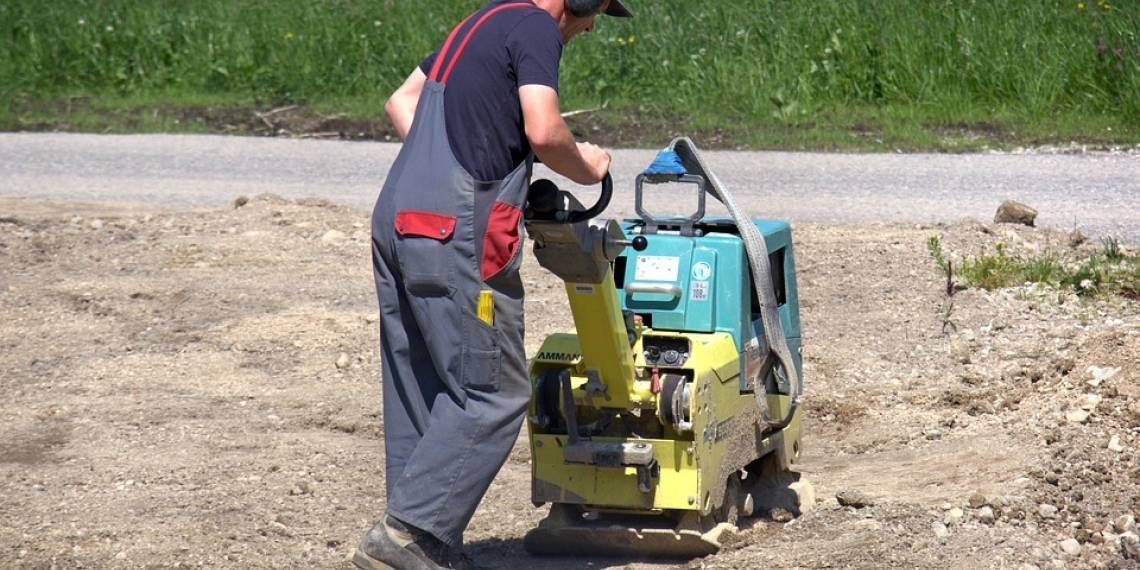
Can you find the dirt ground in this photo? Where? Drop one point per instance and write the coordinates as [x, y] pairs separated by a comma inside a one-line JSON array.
[[200, 389]]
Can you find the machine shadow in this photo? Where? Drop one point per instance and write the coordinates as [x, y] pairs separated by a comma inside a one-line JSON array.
[[509, 554]]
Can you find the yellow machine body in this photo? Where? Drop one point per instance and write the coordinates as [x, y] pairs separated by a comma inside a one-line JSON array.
[[690, 465]]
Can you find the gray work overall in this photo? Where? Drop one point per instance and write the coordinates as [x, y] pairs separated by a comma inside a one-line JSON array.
[[455, 388]]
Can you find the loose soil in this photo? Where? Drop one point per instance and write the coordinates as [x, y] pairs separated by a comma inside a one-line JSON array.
[[200, 389]]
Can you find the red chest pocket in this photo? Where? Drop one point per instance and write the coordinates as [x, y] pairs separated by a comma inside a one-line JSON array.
[[425, 224], [425, 252]]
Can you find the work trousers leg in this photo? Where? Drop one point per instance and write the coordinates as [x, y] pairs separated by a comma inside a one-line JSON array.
[[455, 392]]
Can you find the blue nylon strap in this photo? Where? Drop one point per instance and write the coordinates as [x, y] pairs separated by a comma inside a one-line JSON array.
[[666, 163]]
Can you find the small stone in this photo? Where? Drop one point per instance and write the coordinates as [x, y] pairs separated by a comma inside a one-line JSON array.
[[280, 529], [960, 351], [978, 500], [1078, 416], [1047, 511], [1124, 524], [954, 516], [1115, 445], [1099, 374], [940, 530], [1130, 546], [1071, 546], [1086, 536], [853, 498], [867, 524], [333, 236], [1011, 212], [986, 515], [240, 201], [1090, 401], [342, 361]]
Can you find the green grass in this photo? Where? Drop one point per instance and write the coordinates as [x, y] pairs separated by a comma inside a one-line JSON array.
[[843, 74], [1107, 271]]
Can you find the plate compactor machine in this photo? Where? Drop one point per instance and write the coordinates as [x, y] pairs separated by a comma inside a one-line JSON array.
[[672, 408]]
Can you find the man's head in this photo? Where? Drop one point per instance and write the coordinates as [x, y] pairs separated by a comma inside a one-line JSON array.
[[578, 15]]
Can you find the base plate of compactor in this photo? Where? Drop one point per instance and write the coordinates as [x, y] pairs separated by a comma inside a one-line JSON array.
[[567, 532], [571, 530]]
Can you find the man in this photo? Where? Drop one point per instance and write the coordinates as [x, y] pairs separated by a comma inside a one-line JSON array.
[[446, 248]]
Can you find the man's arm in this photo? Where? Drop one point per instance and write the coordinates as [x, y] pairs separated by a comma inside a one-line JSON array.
[[401, 106], [552, 141]]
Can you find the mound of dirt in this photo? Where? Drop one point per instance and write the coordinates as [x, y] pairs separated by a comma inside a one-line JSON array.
[[200, 389]]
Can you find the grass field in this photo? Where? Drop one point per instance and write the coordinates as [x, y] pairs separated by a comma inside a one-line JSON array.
[[842, 74]]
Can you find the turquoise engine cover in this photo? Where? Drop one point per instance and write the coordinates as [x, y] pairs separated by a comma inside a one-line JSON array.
[[703, 283]]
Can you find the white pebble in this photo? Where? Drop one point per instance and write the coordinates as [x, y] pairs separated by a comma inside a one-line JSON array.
[[1115, 445], [1071, 547]]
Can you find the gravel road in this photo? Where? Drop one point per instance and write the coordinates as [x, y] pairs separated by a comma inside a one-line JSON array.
[[1097, 193]]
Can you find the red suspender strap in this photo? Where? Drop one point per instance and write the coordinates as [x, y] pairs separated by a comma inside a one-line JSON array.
[[444, 51], [434, 75]]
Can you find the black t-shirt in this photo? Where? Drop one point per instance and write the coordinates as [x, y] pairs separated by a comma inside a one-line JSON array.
[[512, 48]]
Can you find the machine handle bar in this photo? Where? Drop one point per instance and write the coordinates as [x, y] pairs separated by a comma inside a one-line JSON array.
[[671, 289], [599, 206]]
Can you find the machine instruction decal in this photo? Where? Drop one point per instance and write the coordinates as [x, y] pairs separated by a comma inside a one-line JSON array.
[[657, 268]]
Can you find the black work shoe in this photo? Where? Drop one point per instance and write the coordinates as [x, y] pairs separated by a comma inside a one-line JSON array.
[[392, 545]]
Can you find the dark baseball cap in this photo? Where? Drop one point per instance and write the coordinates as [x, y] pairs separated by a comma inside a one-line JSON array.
[[617, 10]]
